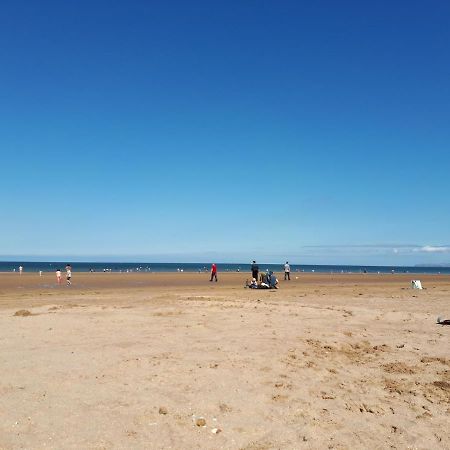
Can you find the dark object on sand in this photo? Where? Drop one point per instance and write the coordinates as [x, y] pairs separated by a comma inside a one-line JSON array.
[[442, 321], [23, 313]]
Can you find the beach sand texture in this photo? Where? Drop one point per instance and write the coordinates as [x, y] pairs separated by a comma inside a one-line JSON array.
[[172, 361]]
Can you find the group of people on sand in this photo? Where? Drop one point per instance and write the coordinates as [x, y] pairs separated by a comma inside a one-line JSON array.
[[255, 271], [267, 280], [68, 275], [263, 280], [58, 274]]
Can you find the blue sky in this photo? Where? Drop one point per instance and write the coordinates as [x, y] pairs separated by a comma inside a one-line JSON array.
[[314, 131]]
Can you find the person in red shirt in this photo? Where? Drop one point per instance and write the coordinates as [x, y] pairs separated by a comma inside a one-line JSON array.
[[213, 272]]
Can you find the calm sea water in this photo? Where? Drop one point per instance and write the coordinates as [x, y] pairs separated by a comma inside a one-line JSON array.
[[10, 266]]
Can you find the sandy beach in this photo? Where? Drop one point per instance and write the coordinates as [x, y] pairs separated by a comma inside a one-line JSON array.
[[172, 361]]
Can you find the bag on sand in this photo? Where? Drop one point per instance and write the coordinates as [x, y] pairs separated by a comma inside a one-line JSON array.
[[416, 284]]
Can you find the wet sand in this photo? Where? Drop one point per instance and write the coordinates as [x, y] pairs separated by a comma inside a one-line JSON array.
[[127, 360]]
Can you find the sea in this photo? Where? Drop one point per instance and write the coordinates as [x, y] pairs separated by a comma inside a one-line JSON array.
[[46, 266]]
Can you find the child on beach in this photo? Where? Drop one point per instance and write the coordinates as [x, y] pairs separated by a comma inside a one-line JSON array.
[[58, 276], [69, 274]]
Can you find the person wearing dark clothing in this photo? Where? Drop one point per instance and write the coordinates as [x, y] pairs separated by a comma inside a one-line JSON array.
[[255, 270], [272, 280], [213, 272]]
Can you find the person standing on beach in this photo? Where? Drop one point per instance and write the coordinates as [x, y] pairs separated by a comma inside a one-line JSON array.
[[20, 270], [58, 276], [213, 272], [69, 274], [255, 270], [287, 271]]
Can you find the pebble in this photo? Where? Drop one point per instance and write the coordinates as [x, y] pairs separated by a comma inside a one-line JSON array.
[[200, 421]]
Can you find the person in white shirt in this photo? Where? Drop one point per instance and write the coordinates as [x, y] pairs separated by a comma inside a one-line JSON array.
[[287, 271], [69, 274], [20, 270]]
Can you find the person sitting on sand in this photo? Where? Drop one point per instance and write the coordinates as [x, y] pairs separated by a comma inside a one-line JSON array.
[[272, 280], [264, 277], [268, 283]]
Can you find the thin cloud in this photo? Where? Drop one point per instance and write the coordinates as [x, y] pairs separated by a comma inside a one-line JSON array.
[[433, 249], [364, 246]]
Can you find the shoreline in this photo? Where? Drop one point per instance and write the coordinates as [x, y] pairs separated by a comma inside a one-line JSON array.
[[30, 287]]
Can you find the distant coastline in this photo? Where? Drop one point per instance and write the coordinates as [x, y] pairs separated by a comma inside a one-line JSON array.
[[433, 265]]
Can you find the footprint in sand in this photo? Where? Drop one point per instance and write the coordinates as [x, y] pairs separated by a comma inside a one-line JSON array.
[[224, 408], [23, 313], [399, 367], [278, 398]]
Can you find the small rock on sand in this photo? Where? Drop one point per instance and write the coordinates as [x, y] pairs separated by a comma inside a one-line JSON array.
[[163, 410], [200, 421]]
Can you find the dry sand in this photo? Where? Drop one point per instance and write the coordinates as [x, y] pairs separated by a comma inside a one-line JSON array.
[[125, 361]]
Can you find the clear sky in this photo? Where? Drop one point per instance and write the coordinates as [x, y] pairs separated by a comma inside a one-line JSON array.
[[317, 131]]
